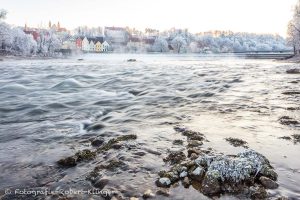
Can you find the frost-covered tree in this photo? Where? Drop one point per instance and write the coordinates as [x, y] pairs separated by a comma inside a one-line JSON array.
[[3, 14], [179, 44], [47, 43], [160, 45], [23, 44], [294, 29]]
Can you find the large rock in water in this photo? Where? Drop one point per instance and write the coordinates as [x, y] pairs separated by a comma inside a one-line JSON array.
[[234, 171]]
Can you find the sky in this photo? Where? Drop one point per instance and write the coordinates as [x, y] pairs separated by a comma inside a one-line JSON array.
[[258, 16]]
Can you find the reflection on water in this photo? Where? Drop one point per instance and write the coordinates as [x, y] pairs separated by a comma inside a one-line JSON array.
[[45, 105]]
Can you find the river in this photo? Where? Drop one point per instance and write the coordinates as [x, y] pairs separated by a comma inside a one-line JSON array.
[[46, 104]]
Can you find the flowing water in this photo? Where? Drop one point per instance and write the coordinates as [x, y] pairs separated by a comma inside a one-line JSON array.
[[45, 104]]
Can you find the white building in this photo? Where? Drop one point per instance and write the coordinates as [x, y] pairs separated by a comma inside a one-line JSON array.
[[92, 46], [105, 46], [85, 45]]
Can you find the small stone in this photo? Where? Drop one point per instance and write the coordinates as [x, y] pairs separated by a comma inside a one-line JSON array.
[[194, 156], [268, 172], [183, 174], [175, 157], [85, 154], [133, 198], [258, 193], [148, 194], [268, 183], [97, 142], [180, 129], [286, 120], [186, 182], [198, 174], [163, 182], [163, 192], [178, 142], [193, 150], [116, 146], [236, 142], [194, 143], [296, 138], [101, 183], [67, 162]]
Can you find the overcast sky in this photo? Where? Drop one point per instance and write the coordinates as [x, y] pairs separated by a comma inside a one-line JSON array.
[[261, 16]]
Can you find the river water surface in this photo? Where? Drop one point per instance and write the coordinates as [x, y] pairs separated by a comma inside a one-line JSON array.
[[45, 104]]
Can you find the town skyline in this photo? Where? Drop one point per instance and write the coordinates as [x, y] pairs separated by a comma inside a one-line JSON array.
[[195, 16]]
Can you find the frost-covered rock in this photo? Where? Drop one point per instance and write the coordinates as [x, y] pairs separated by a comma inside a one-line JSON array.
[[235, 169], [163, 182], [183, 174], [197, 174]]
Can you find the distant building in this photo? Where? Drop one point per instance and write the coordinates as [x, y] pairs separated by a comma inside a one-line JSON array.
[[85, 45], [92, 46], [116, 35], [79, 43], [95, 44], [34, 34], [57, 27], [105, 46]]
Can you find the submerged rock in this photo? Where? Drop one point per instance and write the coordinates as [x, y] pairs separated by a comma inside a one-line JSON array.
[[293, 71], [236, 142], [285, 138], [268, 183], [95, 127], [296, 138], [175, 157], [97, 142], [131, 60], [68, 162], [194, 143], [113, 141], [291, 93], [101, 183], [286, 120], [258, 192], [112, 165], [85, 155], [178, 142]]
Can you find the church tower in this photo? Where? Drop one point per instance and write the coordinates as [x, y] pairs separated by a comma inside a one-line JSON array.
[[58, 25], [50, 25]]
